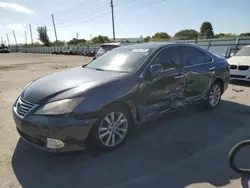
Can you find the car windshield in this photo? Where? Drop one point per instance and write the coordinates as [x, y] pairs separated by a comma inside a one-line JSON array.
[[243, 52], [122, 59]]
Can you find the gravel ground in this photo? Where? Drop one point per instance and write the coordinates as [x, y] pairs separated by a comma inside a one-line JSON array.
[[187, 148]]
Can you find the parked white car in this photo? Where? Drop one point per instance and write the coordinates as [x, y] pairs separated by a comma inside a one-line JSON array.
[[239, 64]]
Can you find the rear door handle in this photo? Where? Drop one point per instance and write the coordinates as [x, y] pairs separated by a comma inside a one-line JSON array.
[[179, 76], [211, 68]]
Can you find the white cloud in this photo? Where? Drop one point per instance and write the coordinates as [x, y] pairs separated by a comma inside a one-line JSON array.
[[16, 7]]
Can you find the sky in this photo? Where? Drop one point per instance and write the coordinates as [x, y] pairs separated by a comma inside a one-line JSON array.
[[133, 18]]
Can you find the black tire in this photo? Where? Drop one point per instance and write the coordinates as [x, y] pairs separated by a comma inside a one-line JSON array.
[[207, 103], [94, 140], [232, 155]]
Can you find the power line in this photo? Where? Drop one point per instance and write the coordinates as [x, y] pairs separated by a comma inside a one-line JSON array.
[[86, 20], [142, 6], [125, 2], [85, 17], [82, 14], [76, 7], [81, 6]]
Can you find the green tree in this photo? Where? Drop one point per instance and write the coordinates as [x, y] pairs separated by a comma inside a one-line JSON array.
[[244, 34], [75, 41], [43, 35], [58, 43], [187, 34], [206, 30], [225, 35], [161, 36], [100, 39], [147, 39]]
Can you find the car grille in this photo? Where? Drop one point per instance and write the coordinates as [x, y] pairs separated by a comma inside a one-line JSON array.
[[233, 66], [23, 107], [243, 67], [237, 76]]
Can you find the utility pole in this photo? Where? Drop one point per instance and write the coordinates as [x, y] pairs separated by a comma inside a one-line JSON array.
[[53, 20], [8, 39], [31, 37], [113, 21], [14, 36], [25, 34], [1, 39], [77, 36]]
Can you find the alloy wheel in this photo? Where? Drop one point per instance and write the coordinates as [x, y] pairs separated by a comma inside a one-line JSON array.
[[113, 129], [214, 96]]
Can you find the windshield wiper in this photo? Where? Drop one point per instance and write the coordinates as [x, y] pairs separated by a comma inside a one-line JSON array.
[[94, 68], [99, 69]]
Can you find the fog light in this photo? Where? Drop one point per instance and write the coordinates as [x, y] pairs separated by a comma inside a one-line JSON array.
[[54, 143]]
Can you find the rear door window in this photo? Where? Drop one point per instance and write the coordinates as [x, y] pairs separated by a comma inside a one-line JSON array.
[[194, 56]]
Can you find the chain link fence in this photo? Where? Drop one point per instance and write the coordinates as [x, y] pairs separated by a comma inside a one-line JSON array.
[[233, 45]]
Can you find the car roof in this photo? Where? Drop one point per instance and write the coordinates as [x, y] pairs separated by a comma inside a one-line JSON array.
[[151, 45]]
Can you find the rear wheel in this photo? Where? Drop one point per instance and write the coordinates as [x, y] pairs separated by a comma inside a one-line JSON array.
[[214, 96], [112, 128]]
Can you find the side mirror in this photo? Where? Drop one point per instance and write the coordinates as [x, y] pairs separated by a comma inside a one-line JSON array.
[[155, 69], [231, 54]]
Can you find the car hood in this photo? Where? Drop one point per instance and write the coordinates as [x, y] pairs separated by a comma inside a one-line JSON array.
[[239, 60], [52, 85]]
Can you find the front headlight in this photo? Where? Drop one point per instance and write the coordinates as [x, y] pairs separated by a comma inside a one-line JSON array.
[[59, 107]]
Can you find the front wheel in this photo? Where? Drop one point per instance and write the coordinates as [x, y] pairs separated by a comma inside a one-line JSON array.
[[111, 129], [214, 96]]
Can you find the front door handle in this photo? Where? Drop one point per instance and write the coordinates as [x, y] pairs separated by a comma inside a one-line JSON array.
[[211, 68], [179, 76]]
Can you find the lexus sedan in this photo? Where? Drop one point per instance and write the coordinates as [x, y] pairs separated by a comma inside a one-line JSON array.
[[240, 64], [101, 102]]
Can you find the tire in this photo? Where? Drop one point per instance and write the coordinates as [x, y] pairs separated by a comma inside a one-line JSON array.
[[106, 135], [215, 93], [232, 155]]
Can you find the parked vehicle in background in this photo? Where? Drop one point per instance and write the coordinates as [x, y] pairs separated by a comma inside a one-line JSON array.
[[221, 51], [101, 102], [4, 49], [239, 64], [109, 46]]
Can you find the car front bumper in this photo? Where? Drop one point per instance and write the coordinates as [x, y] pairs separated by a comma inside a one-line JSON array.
[[36, 129], [236, 74]]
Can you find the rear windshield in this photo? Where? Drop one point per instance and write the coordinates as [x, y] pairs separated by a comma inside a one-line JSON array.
[[243, 52]]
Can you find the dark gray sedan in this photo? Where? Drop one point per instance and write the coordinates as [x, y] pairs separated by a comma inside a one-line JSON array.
[[101, 103]]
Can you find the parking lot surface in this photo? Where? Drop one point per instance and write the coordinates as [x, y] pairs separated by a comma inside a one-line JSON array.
[[186, 148]]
